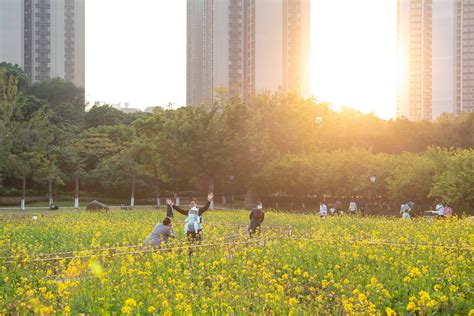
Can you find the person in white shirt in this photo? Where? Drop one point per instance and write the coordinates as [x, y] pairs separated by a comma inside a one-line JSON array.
[[440, 210], [323, 210], [405, 210], [352, 207]]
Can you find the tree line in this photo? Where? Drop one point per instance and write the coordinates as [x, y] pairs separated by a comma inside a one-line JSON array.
[[280, 145]]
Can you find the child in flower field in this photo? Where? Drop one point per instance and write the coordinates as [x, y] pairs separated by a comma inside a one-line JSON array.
[[192, 234], [256, 216], [161, 233], [192, 221]]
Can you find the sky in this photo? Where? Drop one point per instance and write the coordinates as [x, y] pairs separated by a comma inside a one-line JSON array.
[[136, 53]]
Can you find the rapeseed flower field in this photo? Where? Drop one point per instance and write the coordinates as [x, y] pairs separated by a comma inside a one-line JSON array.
[[79, 262]]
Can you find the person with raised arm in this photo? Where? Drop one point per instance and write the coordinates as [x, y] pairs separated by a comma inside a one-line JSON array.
[[193, 225]]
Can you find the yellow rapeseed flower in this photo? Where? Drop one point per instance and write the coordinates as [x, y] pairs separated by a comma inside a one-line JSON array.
[[390, 312], [411, 307]]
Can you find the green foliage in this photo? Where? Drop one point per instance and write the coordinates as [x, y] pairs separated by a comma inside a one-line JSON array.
[[65, 99], [15, 71], [410, 177], [58, 91], [455, 184], [279, 144], [104, 115]]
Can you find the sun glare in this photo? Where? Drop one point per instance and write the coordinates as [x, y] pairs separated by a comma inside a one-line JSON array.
[[143, 61], [354, 54]]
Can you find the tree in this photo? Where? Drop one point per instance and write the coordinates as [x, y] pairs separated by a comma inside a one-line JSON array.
[[149, 151], [120, 171], [45, 169], [410, 178], [291, 175], [197, 136], [74, 157], [58, 92], [15, 71], [65, 99], [108, 157], [455, 184], [104, 115]]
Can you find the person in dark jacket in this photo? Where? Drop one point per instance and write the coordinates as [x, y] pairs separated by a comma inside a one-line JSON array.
[[193, 235], [256, 216]]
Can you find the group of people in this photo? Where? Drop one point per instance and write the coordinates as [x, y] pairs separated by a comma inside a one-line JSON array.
[[193, 223], [336, 209], [441, 211], [406, 209]]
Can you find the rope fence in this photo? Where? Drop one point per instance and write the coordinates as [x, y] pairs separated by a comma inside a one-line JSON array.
[[133, 249], [284, 233]]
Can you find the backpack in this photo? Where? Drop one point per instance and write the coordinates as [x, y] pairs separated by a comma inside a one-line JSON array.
[[258, 215]]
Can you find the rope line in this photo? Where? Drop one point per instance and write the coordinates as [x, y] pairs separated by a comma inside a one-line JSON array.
[[190, 246], [389, 242], [285, 227], [185, 244]]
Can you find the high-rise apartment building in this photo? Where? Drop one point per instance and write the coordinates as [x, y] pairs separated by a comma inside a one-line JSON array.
[[247, 46], [464, 56], [433, 43], [45, 37]]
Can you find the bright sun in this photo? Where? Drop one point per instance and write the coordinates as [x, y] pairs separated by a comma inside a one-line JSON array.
[[354, 54], [143, 61]]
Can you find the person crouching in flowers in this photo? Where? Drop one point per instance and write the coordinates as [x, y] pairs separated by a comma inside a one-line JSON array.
[[161, 234], [256, 216], [193, 226]]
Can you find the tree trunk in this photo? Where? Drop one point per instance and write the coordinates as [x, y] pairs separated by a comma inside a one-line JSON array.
[[76, 192], [224, 201], [23, 196], [211, 189], [158, 204], [132, 199], [176, 194], [50, 192]]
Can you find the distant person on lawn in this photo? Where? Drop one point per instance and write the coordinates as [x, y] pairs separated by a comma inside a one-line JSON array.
[[161, 234], [352, 207], [193, 228], [439, 210], [405, 210], [256, 216], [338, 207], [448, 211], [323, 210]]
